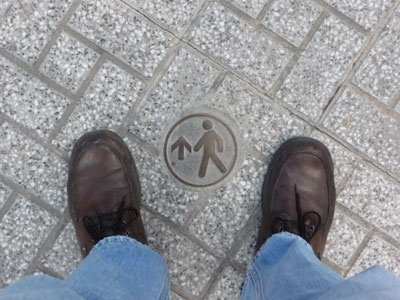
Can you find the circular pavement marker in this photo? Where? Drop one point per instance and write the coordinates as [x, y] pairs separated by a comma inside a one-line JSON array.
[[201, 149]]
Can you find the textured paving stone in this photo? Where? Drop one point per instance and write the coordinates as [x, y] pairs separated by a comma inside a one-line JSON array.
[[365, 12], [5, 192], [28, 25], [367, 128], [264, 125], [237, 44], [22, 230], [174, 14], [182, 223], [118, 29], [227, 212], [190, 266], [27, 100], [378, 252], [292, 19], [344, 160], [316, 74], [229, 286], [380, 72], [4, 5], [252, 7], [186, 81], [158, 191], [109, 97], [69, 62], [344, 238], [375, 198], [64, 256], [23, 161]]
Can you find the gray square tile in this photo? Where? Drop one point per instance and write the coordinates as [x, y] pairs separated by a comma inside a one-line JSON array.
[[69, 62], [367, 13], [65, 255], [251, 7], [378, 252], [22, 231], [375, 198], [190, 267], [229, 286], [228, 211], [344, 238], [239, 45], [379, 74], [28, 25], [29, 101], [107, 100], [264, 124], [5, 192], [175, 14], [292, 19], [319, 69], [158, 190], [344, 160], [367, 128], [30, 165], [186, 81], [117, 28]]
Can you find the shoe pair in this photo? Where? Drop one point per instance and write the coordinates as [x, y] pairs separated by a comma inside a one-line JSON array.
[[104, 194]]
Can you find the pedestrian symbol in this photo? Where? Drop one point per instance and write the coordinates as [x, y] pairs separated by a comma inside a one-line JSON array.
[[200, 150], [210, 140]]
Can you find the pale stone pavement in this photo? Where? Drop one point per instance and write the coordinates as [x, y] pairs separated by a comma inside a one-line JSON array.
[[329, 69]]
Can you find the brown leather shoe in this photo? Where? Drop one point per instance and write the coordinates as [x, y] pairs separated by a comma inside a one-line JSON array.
[[299, 193], [103, 190]]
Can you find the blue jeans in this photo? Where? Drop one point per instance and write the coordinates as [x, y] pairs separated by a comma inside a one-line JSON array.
[[284, 268]]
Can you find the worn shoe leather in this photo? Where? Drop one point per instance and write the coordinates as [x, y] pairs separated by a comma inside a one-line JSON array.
[[299, 194], [103, 190]]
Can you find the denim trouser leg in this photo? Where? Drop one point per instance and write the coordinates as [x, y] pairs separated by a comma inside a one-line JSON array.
[[117, 268], [286, 268]]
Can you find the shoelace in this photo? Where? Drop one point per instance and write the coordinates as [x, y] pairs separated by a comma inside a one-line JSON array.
[[113, 223], [306, 229]]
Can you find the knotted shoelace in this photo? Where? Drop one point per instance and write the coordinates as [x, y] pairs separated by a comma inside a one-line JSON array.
[[112, 223], [307, 223]]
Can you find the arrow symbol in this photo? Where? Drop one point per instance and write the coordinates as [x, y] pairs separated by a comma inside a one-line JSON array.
[[181, 144]]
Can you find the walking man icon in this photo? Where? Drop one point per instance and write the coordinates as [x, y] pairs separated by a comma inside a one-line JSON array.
[[210, 141]]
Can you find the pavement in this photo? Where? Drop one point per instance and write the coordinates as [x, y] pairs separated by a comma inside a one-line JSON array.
[[203, 92]]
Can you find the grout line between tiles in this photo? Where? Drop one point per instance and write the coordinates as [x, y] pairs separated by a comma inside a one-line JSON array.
[[30, 196], [8, 204], [358, 60], [46, 246], [342, 16], [265, 10], [56, 34], [356, 254], [375, 230], [161, 70], [294, 59], [71, 107], [257, 24], [374, 101]]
